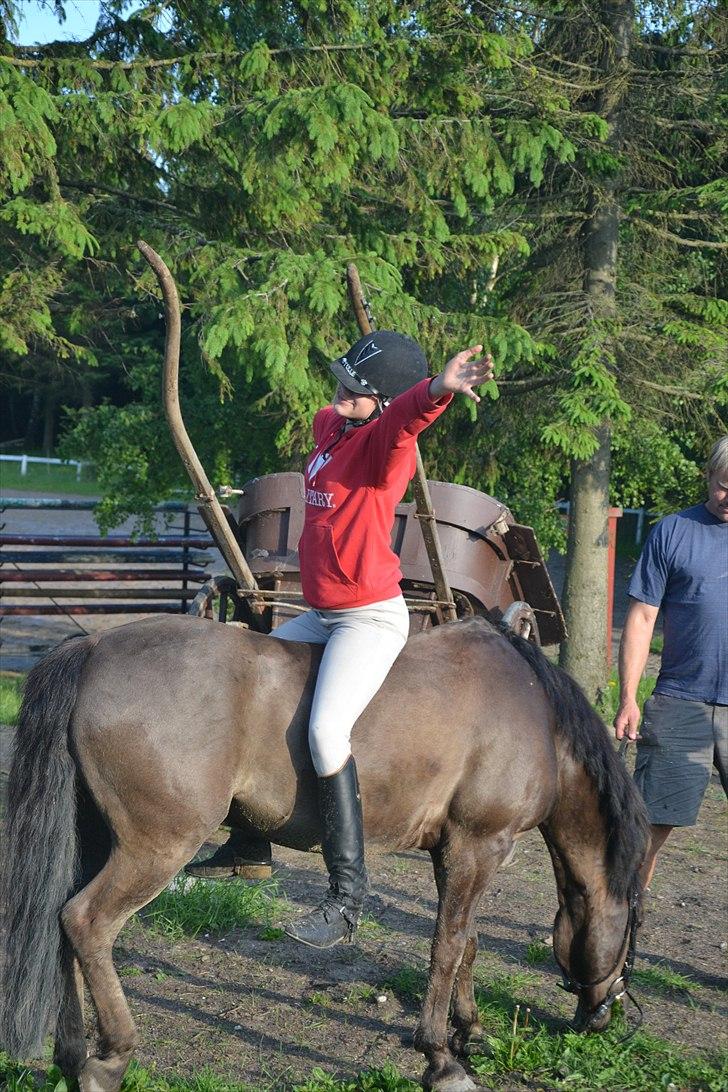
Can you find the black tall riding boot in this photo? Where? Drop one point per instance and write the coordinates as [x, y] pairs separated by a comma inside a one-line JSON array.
[[337, 917], [246, 855]]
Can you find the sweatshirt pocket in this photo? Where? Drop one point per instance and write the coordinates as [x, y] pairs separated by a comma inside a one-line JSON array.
[[319, 559]]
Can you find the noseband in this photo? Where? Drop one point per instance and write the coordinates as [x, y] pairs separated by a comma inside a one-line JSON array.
[[619, 986]]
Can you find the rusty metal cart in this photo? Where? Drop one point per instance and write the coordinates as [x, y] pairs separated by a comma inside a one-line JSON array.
[[493, 564]]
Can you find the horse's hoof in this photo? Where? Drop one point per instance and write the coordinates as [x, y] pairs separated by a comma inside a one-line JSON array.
[[103, 1074], [464, 1046], [451, 1078]]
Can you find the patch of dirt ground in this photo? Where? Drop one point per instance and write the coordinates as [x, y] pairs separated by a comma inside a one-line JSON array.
[[267, 1012]]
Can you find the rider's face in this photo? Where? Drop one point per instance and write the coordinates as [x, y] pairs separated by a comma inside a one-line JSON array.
[[717, 502], [352, 406]]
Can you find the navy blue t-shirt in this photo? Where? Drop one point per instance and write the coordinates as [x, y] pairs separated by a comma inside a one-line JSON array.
[[684, 569]]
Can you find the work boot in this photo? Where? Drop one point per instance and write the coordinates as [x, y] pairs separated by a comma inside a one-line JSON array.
[[244, 855], [337, 917]]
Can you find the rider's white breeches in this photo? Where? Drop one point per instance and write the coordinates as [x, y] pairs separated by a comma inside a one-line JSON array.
[[362, 643]]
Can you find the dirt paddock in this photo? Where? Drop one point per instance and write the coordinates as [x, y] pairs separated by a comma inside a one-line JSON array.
[[266, 1012]]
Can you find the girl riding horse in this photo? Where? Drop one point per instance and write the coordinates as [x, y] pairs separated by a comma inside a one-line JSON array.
[[356, 475]]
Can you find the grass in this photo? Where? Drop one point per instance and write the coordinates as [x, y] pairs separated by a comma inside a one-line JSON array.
[[516, 1044], [189, 907], [48, 479], [386, 1079], [359, 992], [537, 952], [370, 927], [642, 1063], [11, 693], [408, 983], [664, 980]]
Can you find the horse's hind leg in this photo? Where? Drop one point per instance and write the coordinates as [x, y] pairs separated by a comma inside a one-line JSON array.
[[462, 869], [92, 920], [70, 1052]]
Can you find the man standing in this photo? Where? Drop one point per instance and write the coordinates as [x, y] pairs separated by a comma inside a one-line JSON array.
[[683, 568]]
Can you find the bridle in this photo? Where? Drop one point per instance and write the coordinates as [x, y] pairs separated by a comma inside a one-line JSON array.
[[619, 986]]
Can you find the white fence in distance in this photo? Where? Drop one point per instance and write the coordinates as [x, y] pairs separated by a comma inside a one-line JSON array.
[[25, 459]]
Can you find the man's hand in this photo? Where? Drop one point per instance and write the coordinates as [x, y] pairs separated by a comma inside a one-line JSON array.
[[462, 373], [627, 720]]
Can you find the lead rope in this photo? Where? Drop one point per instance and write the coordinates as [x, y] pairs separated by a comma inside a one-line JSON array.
[[632, 949]]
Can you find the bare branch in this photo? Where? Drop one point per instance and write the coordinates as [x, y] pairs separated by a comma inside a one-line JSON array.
[[679, 392], [95, 187], [678, 239]]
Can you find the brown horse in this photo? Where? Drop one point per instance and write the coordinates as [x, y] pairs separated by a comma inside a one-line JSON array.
[[133, 746]]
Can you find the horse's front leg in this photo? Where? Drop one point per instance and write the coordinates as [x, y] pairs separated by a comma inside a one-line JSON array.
[[461, 873]]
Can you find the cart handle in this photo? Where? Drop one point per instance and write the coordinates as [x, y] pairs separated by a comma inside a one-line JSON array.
[[204, 493]]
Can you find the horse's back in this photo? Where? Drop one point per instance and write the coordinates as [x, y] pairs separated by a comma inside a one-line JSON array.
[[461, 731], [180, 708], [190, 710]]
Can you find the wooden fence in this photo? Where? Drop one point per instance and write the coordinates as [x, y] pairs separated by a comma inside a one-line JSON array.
[[91, 574]]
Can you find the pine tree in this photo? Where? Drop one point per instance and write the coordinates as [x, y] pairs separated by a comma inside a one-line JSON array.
[[260, 150]]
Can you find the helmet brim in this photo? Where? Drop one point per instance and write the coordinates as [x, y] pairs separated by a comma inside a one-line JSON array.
[[339, 371]]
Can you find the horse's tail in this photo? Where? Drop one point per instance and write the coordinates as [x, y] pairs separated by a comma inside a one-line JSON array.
[[588, 741], [39, 857]]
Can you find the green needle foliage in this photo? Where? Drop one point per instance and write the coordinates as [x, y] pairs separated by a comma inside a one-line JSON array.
[[11, 695], [260, 150]]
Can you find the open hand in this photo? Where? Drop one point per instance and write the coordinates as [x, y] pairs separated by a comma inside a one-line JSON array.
[[462, 373]]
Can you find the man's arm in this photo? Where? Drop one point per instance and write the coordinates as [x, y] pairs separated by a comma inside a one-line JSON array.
[[634, 649]]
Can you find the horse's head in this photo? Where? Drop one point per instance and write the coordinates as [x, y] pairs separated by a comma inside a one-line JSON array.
[[596, 964]]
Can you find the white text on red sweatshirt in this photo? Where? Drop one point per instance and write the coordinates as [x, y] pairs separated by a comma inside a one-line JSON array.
[[353, 481]]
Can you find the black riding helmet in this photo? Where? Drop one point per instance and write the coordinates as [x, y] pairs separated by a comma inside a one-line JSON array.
[[383, 364]]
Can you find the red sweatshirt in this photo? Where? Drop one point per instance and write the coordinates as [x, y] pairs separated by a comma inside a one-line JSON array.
[[354, 480]]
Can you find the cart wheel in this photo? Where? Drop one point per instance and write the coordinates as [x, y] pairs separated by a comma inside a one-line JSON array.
[[521, 619], [222, 588]]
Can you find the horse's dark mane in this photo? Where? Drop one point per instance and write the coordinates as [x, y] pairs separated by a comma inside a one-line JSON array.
[[620, 802]]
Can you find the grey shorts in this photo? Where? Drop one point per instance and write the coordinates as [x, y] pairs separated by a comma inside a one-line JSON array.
[[679, 743]]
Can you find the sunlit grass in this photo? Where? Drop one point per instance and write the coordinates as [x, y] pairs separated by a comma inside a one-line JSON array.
[[55, 480], [11, 694], [537, 952], [663, 979], [609, 699], [189, 907]]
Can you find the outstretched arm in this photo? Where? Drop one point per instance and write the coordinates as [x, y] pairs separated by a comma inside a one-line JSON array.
[[411, 412]]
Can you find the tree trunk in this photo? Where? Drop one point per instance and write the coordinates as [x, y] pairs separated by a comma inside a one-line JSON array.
[[584, 653], [31, 425]]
